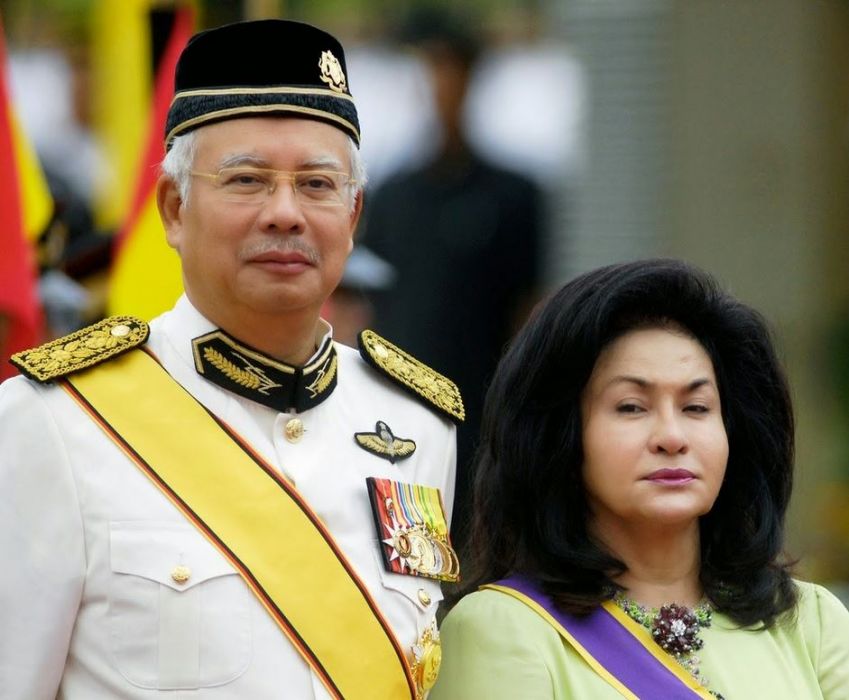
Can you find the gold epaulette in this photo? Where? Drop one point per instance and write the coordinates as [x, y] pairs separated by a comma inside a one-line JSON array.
[[417, 378], [81, 349]]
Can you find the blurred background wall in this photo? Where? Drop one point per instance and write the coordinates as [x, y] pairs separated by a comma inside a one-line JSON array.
[[711, 130]]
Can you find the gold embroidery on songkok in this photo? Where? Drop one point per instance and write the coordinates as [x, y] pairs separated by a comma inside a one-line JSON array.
[[332, 73]]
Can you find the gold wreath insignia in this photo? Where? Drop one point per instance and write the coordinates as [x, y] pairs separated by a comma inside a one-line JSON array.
[[251, 377], [323, 378]]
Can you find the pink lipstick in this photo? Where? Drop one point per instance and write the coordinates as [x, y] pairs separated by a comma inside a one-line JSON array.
[[671, 477]]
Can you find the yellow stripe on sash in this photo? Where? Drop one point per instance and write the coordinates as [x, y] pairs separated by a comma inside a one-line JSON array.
[[255, 518], [576, 645], [644, 637], [641, 635]]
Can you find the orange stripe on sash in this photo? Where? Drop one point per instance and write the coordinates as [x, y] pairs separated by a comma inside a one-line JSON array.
[[255, 518]]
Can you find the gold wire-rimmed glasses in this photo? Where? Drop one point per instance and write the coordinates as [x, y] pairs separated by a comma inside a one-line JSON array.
[[249, 185]]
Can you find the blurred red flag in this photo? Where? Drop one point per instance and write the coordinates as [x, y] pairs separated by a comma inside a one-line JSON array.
[[145, 278], [20, 310]]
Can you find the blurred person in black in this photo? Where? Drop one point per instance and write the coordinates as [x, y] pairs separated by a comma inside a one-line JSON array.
[[463, 236]]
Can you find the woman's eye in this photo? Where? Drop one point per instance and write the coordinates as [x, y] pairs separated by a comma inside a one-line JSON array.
[[696, 408], [628, 408]]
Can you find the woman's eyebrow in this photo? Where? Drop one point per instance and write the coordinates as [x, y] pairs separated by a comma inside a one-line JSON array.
[[644, 383]]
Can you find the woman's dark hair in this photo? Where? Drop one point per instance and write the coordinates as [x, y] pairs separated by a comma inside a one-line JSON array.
[[530, 506]]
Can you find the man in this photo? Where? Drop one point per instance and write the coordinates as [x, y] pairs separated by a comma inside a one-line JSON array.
[[236, 506]]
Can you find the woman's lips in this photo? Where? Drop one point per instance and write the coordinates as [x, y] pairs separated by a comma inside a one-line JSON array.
[[673, 477]]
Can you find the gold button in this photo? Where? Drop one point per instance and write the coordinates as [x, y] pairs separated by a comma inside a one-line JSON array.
[[381, 351], [181, 573], [424, 598], [294, 429], [120, 331]]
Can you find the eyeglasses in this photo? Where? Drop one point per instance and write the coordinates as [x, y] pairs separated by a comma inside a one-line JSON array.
[[247, 185]]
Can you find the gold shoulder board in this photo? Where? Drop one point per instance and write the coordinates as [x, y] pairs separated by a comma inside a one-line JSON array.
[[81, 349], [417, 378]]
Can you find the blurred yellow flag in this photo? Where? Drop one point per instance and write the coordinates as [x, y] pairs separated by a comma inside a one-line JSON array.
[[36, 200], [145, 278], [122, 79]]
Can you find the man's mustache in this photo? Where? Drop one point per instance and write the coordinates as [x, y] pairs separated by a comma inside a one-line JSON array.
[[279, 245]]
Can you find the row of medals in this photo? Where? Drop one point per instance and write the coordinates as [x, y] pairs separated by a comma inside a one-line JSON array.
[[425, 553]]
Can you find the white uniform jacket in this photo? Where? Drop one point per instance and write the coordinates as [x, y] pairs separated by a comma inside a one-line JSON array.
[[88, 608]]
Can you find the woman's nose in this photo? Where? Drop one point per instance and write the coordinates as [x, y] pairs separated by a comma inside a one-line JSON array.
[[669, 435]]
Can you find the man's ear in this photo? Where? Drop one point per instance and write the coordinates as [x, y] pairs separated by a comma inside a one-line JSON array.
[[170, 205], [356, 212]]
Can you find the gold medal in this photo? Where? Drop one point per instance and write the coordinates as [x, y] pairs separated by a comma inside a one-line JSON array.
[[421, 558], [450, 564], [413, 530], [428, 671], [427, 658]]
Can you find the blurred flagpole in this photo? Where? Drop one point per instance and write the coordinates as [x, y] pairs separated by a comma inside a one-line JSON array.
[[25, 211], [145, 277]]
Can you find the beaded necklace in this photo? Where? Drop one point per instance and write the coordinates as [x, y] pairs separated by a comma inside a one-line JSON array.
[[676, 629]]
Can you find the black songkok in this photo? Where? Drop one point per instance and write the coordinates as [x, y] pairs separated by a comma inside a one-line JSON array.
[[264, 67]]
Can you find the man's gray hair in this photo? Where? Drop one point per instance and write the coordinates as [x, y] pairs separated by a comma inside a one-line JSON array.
[[179, 161]]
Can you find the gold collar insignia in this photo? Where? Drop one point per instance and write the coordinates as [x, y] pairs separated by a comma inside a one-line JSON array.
[[238, 368]]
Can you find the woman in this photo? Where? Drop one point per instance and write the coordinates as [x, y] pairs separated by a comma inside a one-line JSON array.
[[634, 473]]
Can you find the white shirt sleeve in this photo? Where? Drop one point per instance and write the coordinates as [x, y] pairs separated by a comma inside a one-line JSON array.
[[42, 546]]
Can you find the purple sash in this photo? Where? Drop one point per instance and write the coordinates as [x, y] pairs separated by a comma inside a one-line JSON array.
[[610, 648]]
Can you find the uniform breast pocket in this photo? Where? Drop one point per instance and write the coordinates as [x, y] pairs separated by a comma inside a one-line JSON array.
[[179, 613]]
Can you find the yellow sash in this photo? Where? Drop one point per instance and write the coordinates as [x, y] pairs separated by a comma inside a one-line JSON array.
[[255, 518]]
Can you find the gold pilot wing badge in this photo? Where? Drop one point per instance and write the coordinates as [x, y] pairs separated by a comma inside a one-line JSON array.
[[384, 444], [413, 530]]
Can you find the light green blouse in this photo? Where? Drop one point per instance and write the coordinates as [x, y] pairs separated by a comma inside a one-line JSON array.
[[495, 647]]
